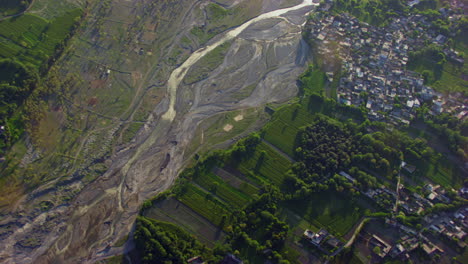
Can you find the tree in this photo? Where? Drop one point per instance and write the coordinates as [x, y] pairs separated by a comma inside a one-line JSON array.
[[376, 250]]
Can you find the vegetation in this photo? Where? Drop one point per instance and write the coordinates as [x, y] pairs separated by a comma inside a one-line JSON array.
[[375, 12], [161, 242], [13, 7], [312, 81], [334, 211], [267, 164], [309, 193], [221, 19], [207, 64], [35, 42]]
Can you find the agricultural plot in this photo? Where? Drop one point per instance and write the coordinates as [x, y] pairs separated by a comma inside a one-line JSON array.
[[171, 210], [337, 214], [267, 164], [33, 39], [282, 131], [221, 189], [204, 204], [443, 172], [236, 182]]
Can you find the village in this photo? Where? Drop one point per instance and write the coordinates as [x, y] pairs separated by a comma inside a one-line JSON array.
[[373, 65], [436, 235], [374, 74]]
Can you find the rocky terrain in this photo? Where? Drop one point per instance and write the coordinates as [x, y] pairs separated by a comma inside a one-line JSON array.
[[261, 63]]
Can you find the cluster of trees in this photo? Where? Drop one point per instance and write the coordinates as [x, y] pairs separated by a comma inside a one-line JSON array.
[[326, 147], [323, 148], [377, 12], [24, 91], [159, 242], [453, 131], [17, 81], [432, 57], [11, 7], [258, 226]]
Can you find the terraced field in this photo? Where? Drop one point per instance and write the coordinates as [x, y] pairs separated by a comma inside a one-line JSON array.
[[33, 39], [266, 164]]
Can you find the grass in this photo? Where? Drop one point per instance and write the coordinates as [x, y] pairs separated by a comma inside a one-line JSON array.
[[333, 212], [448, 80], [202, 69], [272, 167], [221, 189], [313, 81], [204, 204], [282, 130], [32, 39], [221, 19], [173, 211], [211, 131], [50, 9], [444, 173]]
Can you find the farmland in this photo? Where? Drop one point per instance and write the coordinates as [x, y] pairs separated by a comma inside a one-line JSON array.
[[222, 190], [267, 164], [32, 39], [204, 204], [328, 210], [208, 202]]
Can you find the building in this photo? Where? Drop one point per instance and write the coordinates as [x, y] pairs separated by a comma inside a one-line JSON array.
[[231, 259], [384, 246], [316, 238]]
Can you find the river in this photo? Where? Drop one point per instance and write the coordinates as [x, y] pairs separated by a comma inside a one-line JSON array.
[[178, 74]]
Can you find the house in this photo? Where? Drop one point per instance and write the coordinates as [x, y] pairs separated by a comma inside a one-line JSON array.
[[431, 249], [409, 168], [316, 238], [231, 259], [397, 250], [384, 246]]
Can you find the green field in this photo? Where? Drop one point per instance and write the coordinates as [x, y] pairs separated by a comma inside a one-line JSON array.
[[234, 181], [32, 39], [443, 172], [221, 189], [287, 120], [272, 167], [204, 204], [329, 210], [211, 131], [449, 79], [313, 81], [171, 210], [282, 130]]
